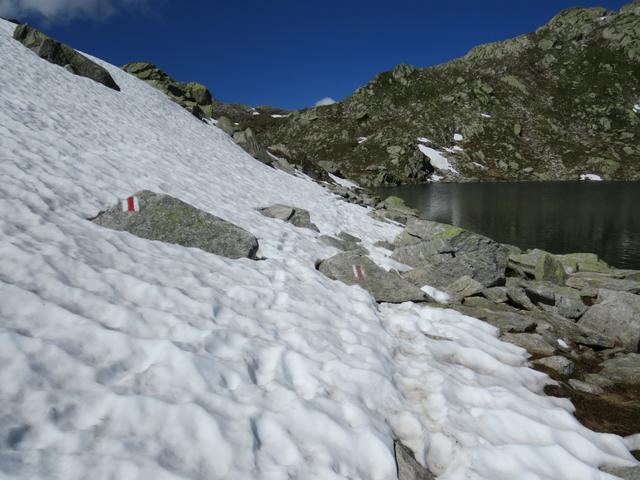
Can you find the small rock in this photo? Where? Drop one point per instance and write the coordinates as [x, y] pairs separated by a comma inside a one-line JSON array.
[[561, 365], [463, 287], [343, 245], [623, 369], [519, 298], [226, 125], [533, 343], [585, 387], [293, 215], [408, 466], [496, 294]]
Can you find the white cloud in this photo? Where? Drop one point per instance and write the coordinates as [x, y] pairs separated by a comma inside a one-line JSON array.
[[61, 10], [325, 101]]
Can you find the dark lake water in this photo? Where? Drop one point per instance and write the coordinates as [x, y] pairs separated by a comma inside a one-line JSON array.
[[560, 217]]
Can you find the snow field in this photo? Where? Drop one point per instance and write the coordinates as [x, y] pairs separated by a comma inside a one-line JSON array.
[[127, 358]]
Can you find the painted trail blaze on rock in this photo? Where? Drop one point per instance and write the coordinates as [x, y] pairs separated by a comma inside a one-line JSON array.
[[358, 272], [131, 204]]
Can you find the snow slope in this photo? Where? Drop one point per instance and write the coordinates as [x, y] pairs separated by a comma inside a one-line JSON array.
[[131, 359]]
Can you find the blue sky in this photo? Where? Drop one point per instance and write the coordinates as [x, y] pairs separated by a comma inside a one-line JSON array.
[[284, 53]]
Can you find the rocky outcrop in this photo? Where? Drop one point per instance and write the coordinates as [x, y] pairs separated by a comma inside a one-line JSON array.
[[166, 219], [353, 268], [550, 105], [60, 54], [408, 467], [441, 254], [293, 215], [193, 96]]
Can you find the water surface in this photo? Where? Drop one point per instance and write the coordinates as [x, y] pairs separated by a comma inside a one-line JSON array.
[[561, 217]]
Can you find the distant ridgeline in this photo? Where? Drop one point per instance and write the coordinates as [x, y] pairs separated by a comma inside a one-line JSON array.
[[554, 104]]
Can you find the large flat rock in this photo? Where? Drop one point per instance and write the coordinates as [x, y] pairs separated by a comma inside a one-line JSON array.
[[450, 252], [354, 268], [167, 219]]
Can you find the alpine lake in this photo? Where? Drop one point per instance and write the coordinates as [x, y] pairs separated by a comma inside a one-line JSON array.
[[560, 217]]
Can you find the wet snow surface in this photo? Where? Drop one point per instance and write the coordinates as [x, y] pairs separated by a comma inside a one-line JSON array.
[[127, 358]]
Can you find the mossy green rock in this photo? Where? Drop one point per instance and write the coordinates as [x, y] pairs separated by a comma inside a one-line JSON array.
[[550, 269], [167, 219]]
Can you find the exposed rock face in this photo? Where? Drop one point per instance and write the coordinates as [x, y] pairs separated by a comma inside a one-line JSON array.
[[441, 254], [353, 268], [60, 54], [167, 219], [408, 466], [553, 104], [616, 315], [193, 96]]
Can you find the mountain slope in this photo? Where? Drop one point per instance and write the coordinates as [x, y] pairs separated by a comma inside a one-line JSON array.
[[551, 105], [128, 358]]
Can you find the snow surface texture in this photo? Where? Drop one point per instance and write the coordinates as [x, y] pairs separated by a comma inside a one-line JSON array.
[[133, 359]]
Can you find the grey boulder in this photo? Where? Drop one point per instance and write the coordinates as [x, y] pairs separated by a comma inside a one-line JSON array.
[[353, 268], [451, 252], [167, 219], [616, 316], [293, 215], [408, 466], [623, 369], [560, 365], [60, 54]]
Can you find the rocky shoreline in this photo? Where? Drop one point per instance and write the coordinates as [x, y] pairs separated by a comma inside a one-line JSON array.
[[577, 316]]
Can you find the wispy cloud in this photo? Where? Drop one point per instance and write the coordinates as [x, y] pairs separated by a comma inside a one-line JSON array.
[[325, 101], [63, 10]]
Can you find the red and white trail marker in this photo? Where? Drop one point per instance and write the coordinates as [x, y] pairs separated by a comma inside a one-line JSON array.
[[358, 272], [131, 204]]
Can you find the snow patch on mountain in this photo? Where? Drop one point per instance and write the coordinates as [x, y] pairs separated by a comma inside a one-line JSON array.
[[128, 358]]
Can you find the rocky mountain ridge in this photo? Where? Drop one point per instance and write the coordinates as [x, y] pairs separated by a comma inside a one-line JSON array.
[[554, 104]]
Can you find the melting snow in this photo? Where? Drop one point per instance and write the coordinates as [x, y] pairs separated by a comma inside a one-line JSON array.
[[591, 177], [343, 181], [454, 149], [278, 115], [479, 165], [424, 140], [438, 295], [128, 358], [438, 160], [485, 115], [458, 137], [636, 108], [362, 139]]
